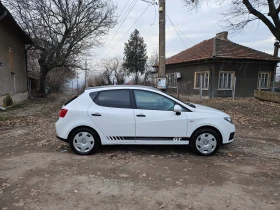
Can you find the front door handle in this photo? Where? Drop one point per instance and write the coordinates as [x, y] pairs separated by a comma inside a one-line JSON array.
[[141, 115], [96, 114]]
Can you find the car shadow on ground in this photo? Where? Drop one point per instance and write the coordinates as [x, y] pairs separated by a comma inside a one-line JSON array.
[[149, 149], [164, 150]]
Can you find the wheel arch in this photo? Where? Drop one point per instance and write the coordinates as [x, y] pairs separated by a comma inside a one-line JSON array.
[[210, 127], [84, 126]]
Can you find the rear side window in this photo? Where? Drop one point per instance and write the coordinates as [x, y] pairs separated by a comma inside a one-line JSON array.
[[114, 98], [93, 95]]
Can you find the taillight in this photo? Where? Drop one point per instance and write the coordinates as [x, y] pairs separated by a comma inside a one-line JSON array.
[[63, 112]]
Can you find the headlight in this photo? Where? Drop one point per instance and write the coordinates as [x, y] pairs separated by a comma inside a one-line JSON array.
[[228, 119]]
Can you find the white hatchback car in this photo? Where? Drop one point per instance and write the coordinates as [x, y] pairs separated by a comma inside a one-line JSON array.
[[140, 115]]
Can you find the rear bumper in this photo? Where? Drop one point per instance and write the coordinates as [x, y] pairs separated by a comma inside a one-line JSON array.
[[62, 139]]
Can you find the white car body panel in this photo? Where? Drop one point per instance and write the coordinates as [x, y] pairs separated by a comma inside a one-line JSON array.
[[160, 124], [114, 130], [120, 123]]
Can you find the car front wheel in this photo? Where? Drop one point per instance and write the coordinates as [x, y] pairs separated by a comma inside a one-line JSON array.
[[205, 142], [84, 141]]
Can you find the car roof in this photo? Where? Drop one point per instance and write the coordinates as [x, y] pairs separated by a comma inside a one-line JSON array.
[[108, 87]]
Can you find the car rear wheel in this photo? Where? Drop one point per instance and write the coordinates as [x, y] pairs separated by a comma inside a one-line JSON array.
[[205, 142], [84, 141]]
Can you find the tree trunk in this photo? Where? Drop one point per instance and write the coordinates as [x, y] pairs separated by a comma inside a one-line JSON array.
[[42, 80], [44, 70], [136, 78]]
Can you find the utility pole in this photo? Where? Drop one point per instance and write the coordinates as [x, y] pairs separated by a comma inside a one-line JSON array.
[[275, 54], [161, 70]]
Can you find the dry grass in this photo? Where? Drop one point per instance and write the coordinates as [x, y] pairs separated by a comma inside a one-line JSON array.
[[248, 111]]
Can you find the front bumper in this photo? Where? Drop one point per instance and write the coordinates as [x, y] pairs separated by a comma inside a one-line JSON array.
[[230, 138]]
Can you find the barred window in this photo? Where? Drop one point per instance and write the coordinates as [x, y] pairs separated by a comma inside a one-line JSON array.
[[264, 80], [205, 80], [226, 80]]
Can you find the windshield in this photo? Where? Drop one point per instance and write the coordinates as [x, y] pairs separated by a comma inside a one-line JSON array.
[[187, 103]]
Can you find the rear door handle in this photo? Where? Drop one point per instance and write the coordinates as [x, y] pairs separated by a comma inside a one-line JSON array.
[[96, 114], [141, 115]]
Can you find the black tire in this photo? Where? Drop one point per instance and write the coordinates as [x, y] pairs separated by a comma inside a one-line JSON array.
[[197, 138], [73, 141]]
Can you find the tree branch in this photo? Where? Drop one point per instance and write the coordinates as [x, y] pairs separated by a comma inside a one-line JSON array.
[[264, 19], [273, 13]]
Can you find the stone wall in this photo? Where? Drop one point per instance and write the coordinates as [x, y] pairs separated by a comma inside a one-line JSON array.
[[267, 96]]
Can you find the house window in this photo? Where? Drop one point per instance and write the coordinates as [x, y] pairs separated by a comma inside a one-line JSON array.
[[11, 55], [172, 80], [226, 80], [205, 80], [264, 80]]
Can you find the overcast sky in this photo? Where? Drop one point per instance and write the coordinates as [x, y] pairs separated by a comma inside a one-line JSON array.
[[195, 27]]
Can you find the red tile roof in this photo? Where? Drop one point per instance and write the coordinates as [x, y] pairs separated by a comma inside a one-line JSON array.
[[218, 48]]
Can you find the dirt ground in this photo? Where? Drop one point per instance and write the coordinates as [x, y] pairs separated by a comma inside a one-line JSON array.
[[37, 171]]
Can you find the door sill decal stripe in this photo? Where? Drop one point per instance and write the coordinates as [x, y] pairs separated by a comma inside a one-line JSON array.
[[130, 138]]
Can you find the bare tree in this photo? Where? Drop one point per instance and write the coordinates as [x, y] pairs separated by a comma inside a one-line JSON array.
[[62, 29], [112, 73], [241, 13], [149, 69], [96, 80], [56, 78]]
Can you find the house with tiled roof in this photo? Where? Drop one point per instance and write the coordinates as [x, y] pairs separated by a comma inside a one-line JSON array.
[[215, 65]]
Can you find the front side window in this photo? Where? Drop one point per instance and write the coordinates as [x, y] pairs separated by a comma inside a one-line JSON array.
[[153, 101], [204, 78], [114, 98], [264, 80], [226, 80]]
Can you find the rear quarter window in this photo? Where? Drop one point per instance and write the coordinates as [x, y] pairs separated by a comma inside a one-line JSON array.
[[114, 99], [93, 95]]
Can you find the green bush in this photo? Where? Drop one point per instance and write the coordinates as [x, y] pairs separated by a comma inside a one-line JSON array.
[[7, 101]]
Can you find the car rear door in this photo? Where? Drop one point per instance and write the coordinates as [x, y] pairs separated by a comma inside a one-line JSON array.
[[156, 122], [113, 114]]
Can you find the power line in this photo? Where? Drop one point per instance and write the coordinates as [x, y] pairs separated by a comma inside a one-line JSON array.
[[121, 17], [155, 15], [187, 38], [183, 34], [179, 34], [127, 12], [176, 31], [124, 7], [132, 5], [127, 31], [113, 31]]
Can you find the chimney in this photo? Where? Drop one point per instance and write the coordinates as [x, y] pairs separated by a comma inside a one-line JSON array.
[[276, 49], [222, 35]]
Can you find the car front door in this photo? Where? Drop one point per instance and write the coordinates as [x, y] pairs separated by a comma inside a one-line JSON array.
[[156, 122], [113, 114]]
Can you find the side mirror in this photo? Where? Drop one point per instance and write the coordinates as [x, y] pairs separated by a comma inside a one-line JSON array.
[[177, 109]]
